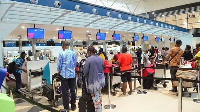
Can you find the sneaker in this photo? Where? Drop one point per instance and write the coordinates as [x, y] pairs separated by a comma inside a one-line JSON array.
[[74, 108], [130, 92], [173, 90]]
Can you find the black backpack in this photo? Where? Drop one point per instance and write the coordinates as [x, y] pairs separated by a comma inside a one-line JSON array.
[[11, 67]]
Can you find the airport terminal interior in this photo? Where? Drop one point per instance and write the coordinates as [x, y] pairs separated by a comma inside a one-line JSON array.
[[100, 56]]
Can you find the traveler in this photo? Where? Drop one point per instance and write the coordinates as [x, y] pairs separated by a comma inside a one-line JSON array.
[[152, 52], [139, 57], [66, 68], [187, 53], [116, 56], [174, 62], [125, 60], [196, 57], [94, 79], [166, 51], [19, 63], [163, 53], [156, 50], [147, 63], [102, 54]]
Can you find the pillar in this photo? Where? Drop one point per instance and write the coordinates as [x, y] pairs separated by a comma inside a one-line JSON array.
[[20, 44], [34, 49]]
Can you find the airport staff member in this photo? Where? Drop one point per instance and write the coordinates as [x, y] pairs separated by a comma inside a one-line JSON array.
[[174, 62], [19, 63], [66, 68]]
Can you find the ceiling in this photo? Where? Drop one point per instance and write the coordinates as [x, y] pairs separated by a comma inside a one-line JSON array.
[[139, 6], [17, 12], [188, 21]]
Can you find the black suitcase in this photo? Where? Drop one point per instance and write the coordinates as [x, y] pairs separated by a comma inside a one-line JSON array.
[[48, 92], [85, 102]]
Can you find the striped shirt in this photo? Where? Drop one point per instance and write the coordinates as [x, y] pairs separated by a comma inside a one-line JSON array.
[[66, 63]]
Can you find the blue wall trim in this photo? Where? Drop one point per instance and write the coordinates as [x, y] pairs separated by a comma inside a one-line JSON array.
[[87, 8]]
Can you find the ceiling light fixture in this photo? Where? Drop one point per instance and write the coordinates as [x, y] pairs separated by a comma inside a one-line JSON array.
[[27, 9]]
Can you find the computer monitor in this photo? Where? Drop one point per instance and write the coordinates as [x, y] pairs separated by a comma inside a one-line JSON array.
[[157, 39], [136, 37], [35, 33], [64, 34], [145, 38], [101, 36], [116, 37]]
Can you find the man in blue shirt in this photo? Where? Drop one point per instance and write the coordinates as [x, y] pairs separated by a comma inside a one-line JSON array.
[[19, 63], [66, 68]]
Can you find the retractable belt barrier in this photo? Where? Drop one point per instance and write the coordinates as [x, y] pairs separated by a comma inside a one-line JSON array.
[[32, 101], [139, 77]]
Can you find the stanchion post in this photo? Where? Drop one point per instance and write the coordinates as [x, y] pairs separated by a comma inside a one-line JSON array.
[[180, 95], [142, 88], [197, 100], [135, 80], [142, 78], [109, 106]]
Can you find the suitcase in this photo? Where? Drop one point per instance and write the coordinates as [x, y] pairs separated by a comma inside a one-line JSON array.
[[85, 102], [48, 92]]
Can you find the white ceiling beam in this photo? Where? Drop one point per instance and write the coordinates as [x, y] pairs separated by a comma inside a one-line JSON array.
[[67, 12], [94, 21], [11, 5], [119, 24]]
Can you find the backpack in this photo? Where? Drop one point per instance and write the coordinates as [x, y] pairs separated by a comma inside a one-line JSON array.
[[11, 67]]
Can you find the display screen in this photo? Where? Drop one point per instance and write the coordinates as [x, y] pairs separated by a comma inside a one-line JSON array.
[[35, 33], [136, 37], [157, 39], [116, 37], [145, 38], [101, 36], [64, 34], [163, 39]]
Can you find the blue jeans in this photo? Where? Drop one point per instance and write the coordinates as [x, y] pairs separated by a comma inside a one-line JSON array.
[[18, 81], [66, 85]]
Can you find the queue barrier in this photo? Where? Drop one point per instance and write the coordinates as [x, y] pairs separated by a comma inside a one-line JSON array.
[[111, 106], [180, 81]]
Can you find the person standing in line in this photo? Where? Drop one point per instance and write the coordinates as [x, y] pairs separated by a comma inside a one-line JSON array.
[[19, 63], [139, 55], [66, 68], [187, 53], [94, 79], [174, 58], [125, 61]]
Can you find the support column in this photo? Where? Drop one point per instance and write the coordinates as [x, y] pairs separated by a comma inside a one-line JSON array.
[[34, 49], [1, 53], [71, 43], [20, 44]]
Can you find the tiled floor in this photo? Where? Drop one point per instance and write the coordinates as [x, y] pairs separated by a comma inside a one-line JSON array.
[[154, 101]]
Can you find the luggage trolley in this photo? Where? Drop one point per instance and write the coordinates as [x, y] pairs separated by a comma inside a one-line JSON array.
[[53, 91], [34, 82]]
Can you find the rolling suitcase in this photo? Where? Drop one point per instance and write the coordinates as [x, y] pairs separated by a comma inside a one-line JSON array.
[[85, 102], [48, 92]]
